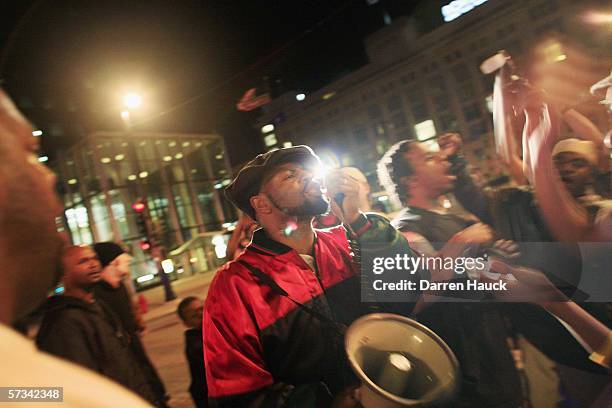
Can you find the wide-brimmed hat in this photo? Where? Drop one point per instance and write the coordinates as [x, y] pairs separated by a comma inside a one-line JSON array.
[[248, 181]]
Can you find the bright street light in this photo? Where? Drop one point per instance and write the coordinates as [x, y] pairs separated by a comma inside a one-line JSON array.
[[132, 100]]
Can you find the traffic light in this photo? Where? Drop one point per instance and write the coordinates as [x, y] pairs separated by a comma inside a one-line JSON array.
[[140, 209], [145, 245], [142, 223]]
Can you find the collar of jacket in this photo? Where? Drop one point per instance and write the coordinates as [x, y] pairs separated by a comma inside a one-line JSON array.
[[263, 244]]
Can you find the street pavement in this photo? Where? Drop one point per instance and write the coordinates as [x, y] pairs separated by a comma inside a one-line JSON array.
[[164, 338]]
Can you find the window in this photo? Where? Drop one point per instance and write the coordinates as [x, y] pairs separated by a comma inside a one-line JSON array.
[[398, 120], [465, 91], [405, 134], [270, 140], [478, 129], [381, 147], [360, 133], [542, 9], [419, 110], [379, 129], [448, 122], [425, 130], [436, 84], [394, 103], [374, 111], [416, 101], [408, 78], [471, 112], [441, 103], [460, 72]]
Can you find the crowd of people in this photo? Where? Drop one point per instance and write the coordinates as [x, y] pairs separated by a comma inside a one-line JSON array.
[[271, 329], [275, 317]]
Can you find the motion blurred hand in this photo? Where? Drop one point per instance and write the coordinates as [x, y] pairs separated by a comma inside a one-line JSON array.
[[450, 144], [478, 233], [340, 184], [523, 284], [506, 249]]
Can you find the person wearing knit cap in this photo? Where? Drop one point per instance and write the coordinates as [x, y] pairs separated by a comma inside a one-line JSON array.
[[576, 161], [113, 291], [115, 262]]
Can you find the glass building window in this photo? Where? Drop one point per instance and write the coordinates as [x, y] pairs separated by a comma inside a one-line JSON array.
[[374, 111], [460, 72], [471, 112], [465, 92], [101, 218], [419, 111], [78, 223], [543, 8], [270, 140], [448, 122], [394, 103], [408, 78], [360, 134], [478, 129], [398, 120], [425, 130]]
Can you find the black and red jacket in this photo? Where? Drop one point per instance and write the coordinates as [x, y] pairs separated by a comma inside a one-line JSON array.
[[260, 347]]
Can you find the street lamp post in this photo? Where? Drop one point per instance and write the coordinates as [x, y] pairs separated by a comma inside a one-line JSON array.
[[132, 100]]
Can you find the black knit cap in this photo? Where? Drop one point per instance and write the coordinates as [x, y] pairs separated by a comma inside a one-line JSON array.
[[107, 252], [248, 181]]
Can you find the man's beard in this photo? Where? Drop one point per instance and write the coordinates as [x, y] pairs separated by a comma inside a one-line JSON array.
[[310, 208]]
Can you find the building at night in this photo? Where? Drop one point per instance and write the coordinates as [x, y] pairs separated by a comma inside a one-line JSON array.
[[178, 176], [423, 78]]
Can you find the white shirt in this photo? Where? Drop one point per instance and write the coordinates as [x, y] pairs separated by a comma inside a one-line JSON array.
[[23, 365]]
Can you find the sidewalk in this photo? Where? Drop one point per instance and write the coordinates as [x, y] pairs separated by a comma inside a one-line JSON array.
[[196, 285], [164, 337]]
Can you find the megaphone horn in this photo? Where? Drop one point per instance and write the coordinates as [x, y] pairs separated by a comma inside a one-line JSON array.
[[400, 362]]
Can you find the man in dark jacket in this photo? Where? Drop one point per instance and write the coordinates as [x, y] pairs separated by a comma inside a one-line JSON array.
[[112, 291], [273, 318], [84, 330]]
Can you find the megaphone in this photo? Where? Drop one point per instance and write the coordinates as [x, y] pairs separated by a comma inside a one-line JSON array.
[[400, 362]]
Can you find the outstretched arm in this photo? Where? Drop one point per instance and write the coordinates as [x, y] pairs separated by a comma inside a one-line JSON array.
[[471, 197], [565, 217], [530, 285], [585, 129]]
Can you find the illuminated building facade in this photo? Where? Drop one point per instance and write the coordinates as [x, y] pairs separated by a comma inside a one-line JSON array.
[[423, 78], [178, 176]]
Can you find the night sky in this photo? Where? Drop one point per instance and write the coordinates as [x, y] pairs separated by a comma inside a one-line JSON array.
[[191, 59]]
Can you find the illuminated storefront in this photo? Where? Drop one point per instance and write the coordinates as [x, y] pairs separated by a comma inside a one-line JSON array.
[[180, 178]]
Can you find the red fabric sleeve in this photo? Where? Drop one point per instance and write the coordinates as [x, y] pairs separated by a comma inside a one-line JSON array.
[[233, 353]]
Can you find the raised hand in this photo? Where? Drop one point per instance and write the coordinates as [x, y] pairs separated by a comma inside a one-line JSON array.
[[343, 193], [450, 144]]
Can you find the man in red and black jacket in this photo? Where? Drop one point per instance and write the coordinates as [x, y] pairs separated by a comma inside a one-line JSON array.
[[274, 317]]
